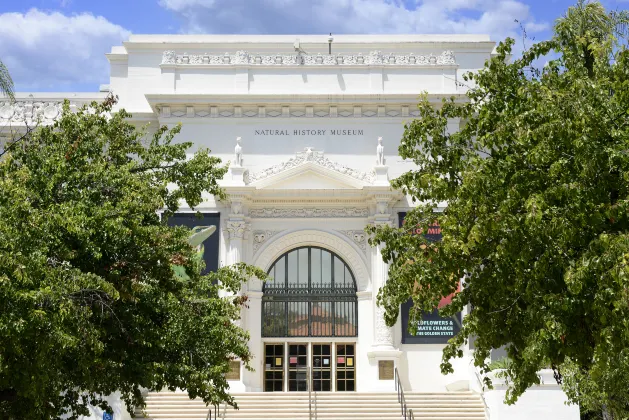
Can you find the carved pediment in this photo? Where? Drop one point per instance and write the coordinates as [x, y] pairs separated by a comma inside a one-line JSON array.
[[310, 169]]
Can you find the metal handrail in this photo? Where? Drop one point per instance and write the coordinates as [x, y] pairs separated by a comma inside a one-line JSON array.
[[209, 412], [407, 413], [482, 394], [310, 399], [308, 381], [315, 396]]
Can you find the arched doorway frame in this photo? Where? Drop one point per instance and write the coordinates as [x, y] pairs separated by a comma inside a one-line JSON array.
[[286, 241]]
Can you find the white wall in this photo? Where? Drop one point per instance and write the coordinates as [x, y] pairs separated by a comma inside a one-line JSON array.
[[546, 401]]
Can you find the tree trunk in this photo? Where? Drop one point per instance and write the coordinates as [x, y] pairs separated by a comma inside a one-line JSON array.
[[606, 414]]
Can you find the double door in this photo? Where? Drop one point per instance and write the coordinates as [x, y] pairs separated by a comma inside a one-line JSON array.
[[287, 366]]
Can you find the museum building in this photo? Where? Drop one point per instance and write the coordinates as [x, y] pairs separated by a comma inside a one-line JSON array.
[[310, 126]]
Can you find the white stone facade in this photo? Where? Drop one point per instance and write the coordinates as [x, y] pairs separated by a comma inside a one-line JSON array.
[[307, 170]]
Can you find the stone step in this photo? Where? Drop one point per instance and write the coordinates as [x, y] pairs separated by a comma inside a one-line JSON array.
[[328, 397], [196, 404], [281, 410], [329, 406], [327, 416], [355, 417]]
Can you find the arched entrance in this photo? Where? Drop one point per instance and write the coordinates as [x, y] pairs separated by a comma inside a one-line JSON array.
[[310, 303]]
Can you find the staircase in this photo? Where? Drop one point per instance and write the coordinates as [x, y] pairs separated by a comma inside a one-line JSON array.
[[329, 406]]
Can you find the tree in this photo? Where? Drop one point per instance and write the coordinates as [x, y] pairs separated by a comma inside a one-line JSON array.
[[536, 181], [89, 302], [6, 83]]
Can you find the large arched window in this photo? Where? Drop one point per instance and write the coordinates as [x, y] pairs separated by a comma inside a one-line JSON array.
[[311, 293]]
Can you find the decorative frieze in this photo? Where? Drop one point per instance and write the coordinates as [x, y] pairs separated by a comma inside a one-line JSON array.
[[374, 58], [308, 212], [313, 156], [29, 112], [333, 111]]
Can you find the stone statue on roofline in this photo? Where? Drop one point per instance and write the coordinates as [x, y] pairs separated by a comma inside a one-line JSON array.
[[380, 153], [238, 152]]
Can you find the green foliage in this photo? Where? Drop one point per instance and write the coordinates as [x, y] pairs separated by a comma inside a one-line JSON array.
[[504, 363], [6, 83], [536, 179], [89, 303]]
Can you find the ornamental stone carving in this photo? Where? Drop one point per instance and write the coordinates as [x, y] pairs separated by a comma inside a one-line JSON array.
[[238, 153], [380, 153], [169, 57], [29, 112], [373, 58], [241, 57], [446, 58], [358, 236], [261, 236], [384, 335], [236, 229], [316, 157], [308, 212]]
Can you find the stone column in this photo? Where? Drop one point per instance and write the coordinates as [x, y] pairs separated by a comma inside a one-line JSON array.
[[383, 356], [236, 230], [383, 335], [236, 227], [253, 380]]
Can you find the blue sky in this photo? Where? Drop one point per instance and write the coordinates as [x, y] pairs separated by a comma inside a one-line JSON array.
[[59, 45]]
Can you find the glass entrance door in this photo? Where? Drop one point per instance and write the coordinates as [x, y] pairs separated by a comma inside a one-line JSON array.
[[287, 365], [321, 367], [345, 367], [298, 367], [273, 367]]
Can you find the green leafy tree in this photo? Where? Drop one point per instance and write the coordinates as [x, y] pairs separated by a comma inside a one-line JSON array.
[[89, 301], [536, 181], [6, 83]]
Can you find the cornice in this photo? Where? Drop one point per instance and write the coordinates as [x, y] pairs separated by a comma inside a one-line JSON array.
[[172, 107], [321, 98], [315, 43], [121, 57]]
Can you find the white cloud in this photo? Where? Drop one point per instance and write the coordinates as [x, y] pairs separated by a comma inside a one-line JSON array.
[[51, 51], [495, 17]]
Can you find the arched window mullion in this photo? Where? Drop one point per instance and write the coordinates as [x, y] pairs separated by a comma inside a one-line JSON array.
[[310, 306], [309, 292]]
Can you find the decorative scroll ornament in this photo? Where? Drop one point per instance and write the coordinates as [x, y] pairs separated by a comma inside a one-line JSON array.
[[308, 212], [313, 156], [374, 58], [261, 236], [358, 236]]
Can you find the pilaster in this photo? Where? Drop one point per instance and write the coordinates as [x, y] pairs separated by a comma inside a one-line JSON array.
[[382, 349]]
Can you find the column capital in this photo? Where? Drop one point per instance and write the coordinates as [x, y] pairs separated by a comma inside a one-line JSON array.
[[237, 228]]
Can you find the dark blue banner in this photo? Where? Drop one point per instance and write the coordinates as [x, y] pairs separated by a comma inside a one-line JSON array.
[[211, 244], [431, 328]]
